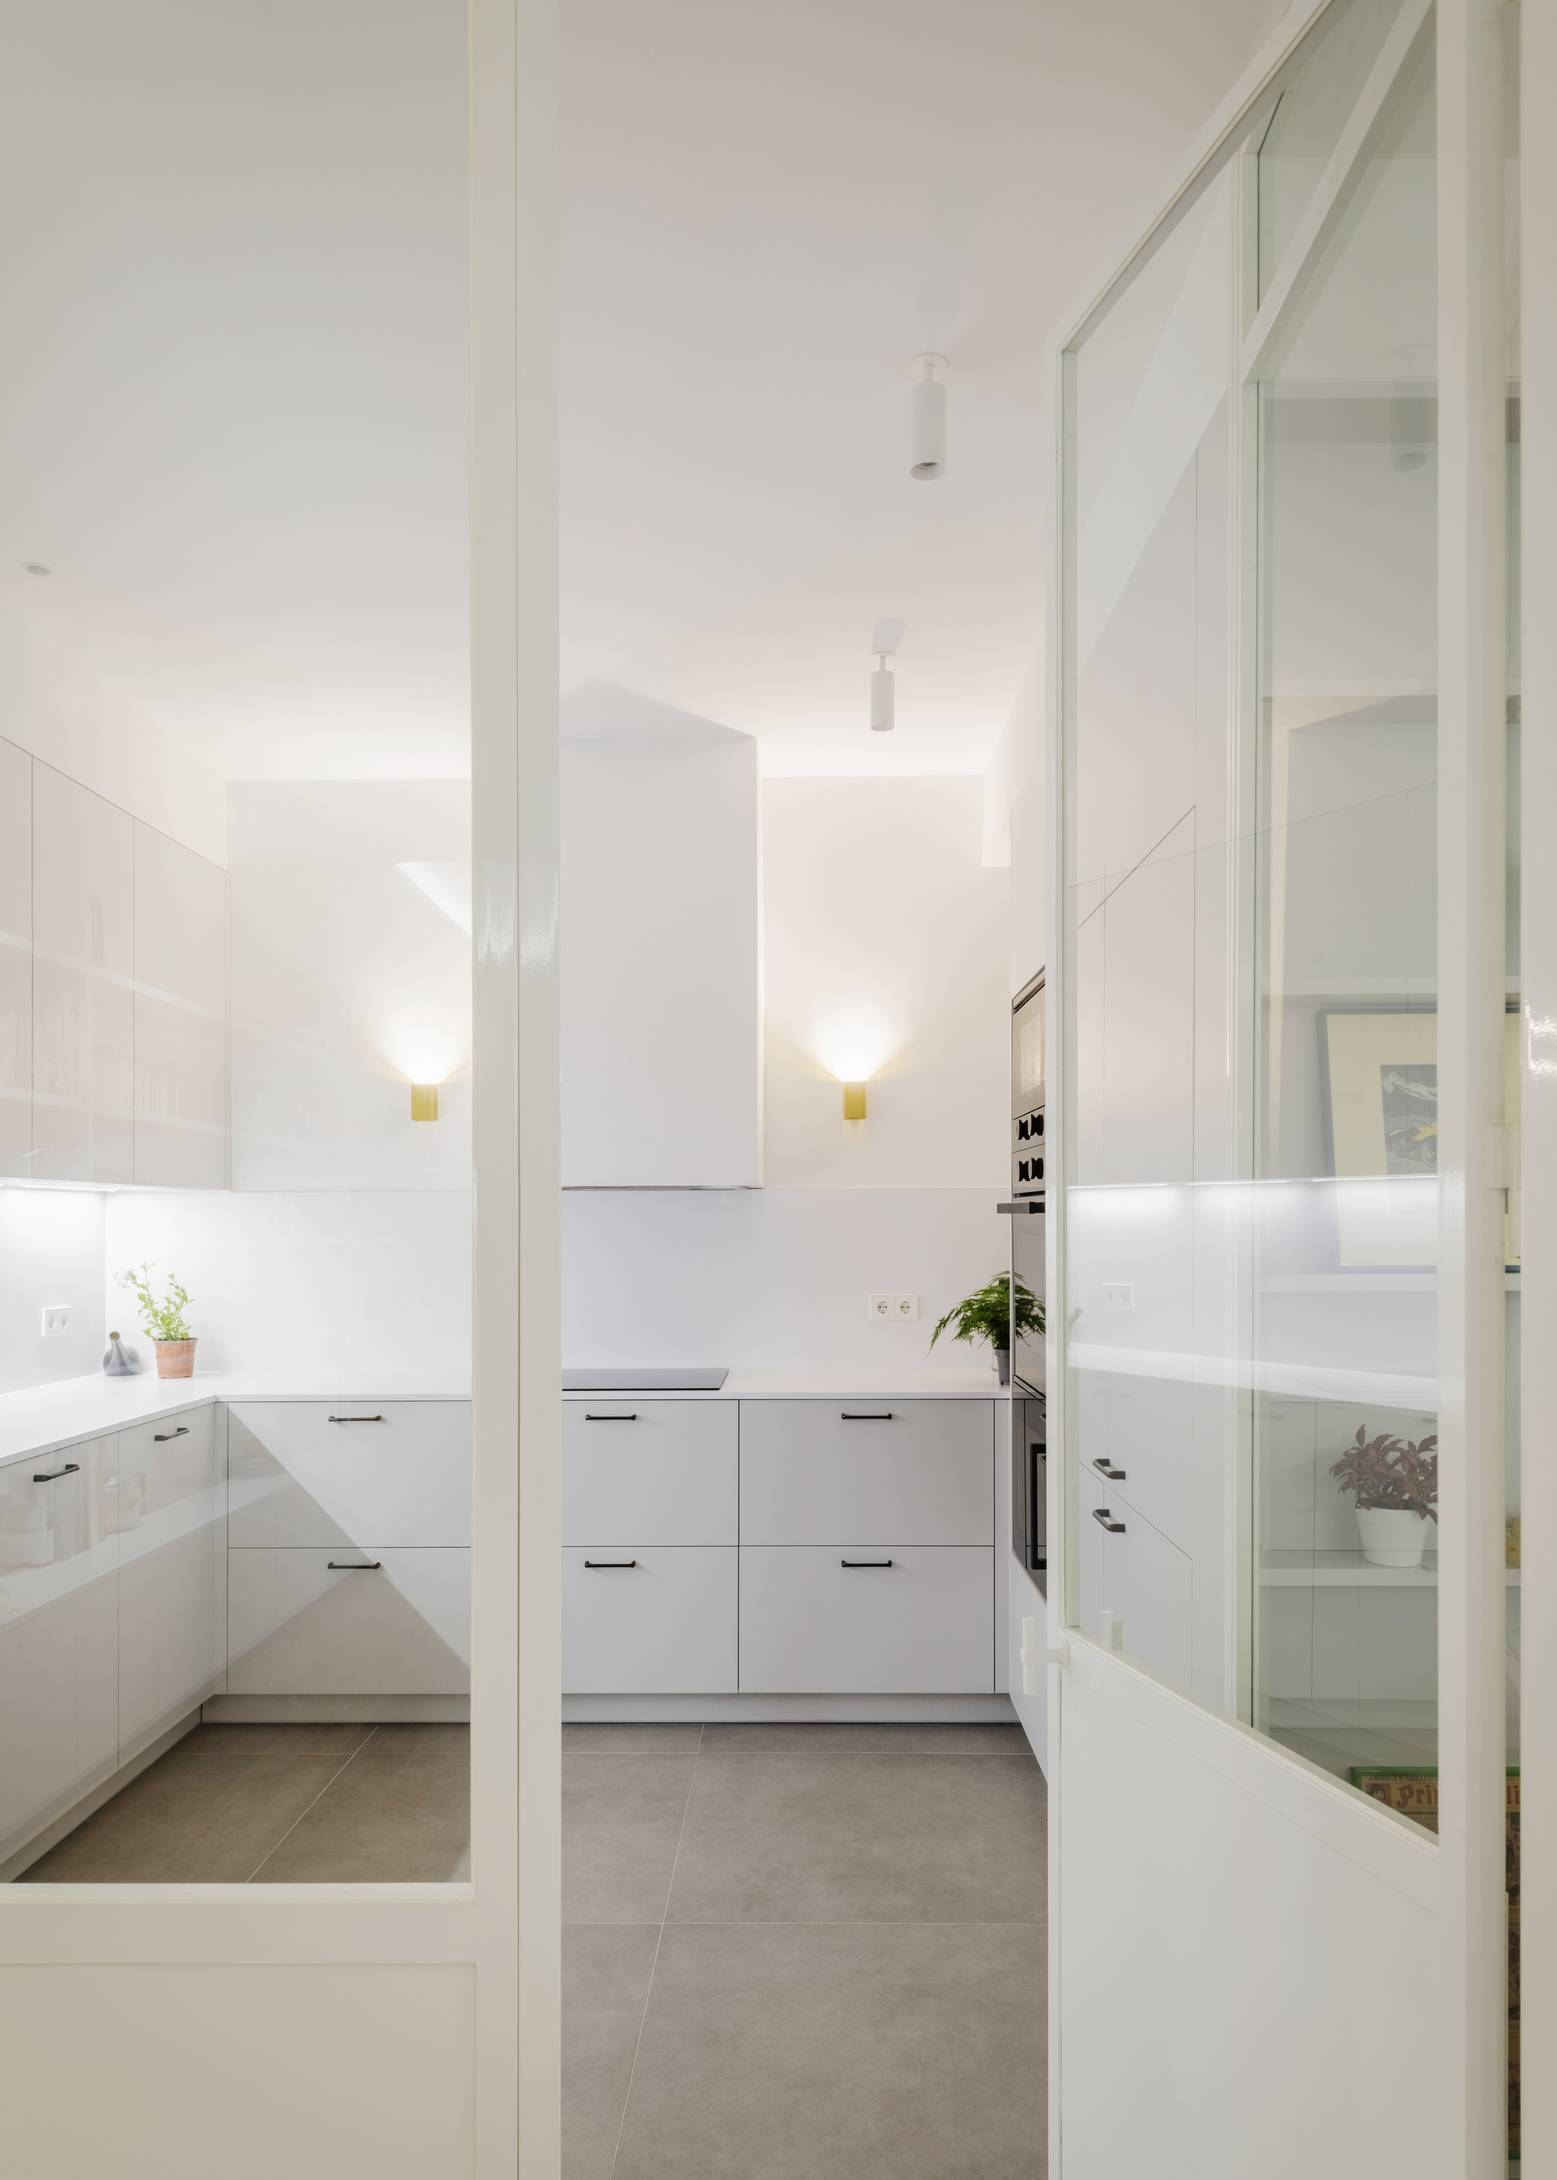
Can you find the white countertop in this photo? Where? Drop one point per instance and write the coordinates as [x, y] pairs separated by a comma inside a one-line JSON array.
[[46, 1416]]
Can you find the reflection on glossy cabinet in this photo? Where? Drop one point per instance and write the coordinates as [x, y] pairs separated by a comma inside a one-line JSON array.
[[170, 1507], [59, 1725], [83, 904], [181, 1073], [15, 960], [345, 1621]]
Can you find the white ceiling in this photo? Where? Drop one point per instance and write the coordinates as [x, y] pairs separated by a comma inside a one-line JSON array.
[[235, 374]]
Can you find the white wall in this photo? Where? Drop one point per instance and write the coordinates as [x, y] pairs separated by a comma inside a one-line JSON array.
[[771, 1279], [51, 1250], [886, 960], [349, 983], [371, 1279]]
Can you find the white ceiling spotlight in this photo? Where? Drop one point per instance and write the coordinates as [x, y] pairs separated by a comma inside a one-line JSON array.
[[883, 689], [927, 418]]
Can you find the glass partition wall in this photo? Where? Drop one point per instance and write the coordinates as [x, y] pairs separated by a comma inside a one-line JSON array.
[[1249, 910]]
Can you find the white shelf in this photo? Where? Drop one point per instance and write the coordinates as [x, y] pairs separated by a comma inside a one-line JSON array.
[[1382, 1282], [1349, 1570]]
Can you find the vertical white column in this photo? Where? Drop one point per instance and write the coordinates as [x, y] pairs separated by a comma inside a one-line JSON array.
[[1472, 610], [517, 1667], [1538, 1081]]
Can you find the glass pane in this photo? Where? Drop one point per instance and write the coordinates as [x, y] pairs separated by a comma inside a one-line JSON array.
[[1344, 1236], [1310, 115], [234, 933]]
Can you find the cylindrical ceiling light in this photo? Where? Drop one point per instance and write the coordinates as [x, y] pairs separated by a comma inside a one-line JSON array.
[[883, 697], [927, 418]]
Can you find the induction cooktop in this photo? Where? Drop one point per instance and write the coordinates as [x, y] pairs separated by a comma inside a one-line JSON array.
[[643, 1381]]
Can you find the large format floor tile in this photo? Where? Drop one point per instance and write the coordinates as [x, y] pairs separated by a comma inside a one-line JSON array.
[[865, 1739], [621, 1824], [605, 1980], [398, 1814], [820, 1838], [207, 1813], [856, 2052]]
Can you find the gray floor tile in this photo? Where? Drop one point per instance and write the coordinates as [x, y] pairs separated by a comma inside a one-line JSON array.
[[208, 1812], [605, 1980], [868, 1740], [621, 1823], [882, 1839], [398, 1814], [885, 2052], [630, 1740]]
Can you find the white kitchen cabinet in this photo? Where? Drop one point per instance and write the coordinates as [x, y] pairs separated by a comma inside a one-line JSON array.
[[181, 1067], [1142, 1582], [348, 1621], [83, 1009], [661, 963], [348, 1472], [919, 1469], [649, 1472], [15, 961], [867, 1619], [170, 1510], [59, 1722], [649, 1620], [1149, 1017]]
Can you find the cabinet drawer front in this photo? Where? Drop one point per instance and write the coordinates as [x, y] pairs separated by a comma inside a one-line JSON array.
[[172, 1509], [919, 1470], [922, 1626], [396, 1473], [664, 1626], [650, 1471], [299, 1627]]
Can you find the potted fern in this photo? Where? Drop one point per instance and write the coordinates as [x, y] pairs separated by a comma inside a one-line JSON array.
[[166, 1322], [995, 1312], [1395, 1484]]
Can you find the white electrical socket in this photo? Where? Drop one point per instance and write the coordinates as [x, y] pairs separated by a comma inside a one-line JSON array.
[[905, 1305], [881, 1308], [1119, 1291], [56, 1319]]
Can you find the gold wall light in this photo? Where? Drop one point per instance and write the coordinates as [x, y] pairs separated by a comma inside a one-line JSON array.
[[424, 1101], [854, 1101]]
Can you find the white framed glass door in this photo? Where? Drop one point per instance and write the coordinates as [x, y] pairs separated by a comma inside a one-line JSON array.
[[1281, 1026]]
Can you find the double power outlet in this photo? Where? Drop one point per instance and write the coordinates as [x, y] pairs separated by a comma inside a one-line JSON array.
[[886, 1309]]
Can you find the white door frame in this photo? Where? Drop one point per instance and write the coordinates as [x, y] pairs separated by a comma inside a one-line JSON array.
[[499, 1934], [1460, 1877]]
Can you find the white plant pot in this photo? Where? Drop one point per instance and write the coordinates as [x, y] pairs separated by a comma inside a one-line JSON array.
[[1391, 1536]]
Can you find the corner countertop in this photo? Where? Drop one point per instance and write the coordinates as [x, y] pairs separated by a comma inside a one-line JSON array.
[[47, 1416]]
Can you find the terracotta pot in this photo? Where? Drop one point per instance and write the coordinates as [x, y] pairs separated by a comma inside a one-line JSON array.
[[175, 1358]]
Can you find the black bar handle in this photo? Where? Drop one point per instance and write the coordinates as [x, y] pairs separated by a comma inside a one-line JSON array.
[[1102, 1514], [160, 1438], [355, 1566], [53, 1475], [356, 1419], [632, 1418], [1115, 1475], [861, 1415], [605, 1566], [1023, 1207], [864, 1562]]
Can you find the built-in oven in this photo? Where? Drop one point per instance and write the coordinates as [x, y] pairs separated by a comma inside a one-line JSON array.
[[1026, 1210]]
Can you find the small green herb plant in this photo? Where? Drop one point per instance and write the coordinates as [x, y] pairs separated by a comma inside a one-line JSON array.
[[989, 1314], [164, 1320]]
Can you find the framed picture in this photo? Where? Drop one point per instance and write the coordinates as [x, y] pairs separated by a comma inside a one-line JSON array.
[[1379, 1085]]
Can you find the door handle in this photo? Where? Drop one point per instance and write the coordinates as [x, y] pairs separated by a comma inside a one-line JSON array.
[[1114, 1475], [160, 1438], [864, 1562], [1114, 1528], [53, 1475], [356, 1419], [861, 1415], [355, 1566], [607, 1566], [630, 1418]]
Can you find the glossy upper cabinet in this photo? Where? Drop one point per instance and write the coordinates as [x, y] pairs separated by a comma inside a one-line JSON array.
[[83, 1005], [181, 1073], [661, 970], [15, 961]]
